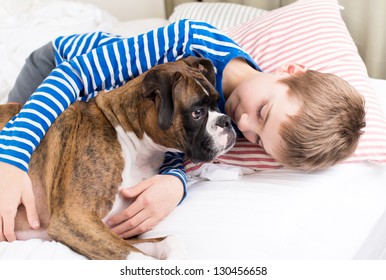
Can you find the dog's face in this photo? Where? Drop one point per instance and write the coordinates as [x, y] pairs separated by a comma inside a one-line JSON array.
[[186, 106]]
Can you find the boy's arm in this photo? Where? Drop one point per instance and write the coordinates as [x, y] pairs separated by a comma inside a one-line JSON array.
[[23, 133], [20, 137]]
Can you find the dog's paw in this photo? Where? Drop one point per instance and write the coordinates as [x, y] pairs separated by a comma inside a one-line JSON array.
[[171, 248]]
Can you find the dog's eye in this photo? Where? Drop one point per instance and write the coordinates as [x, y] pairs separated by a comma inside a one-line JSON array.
[[198, 113]]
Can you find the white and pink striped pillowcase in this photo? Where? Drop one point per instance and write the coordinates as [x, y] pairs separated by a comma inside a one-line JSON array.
[[310, 32], [245, 154]]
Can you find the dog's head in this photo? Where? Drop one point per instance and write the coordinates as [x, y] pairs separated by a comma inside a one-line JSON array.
[[188, 119]]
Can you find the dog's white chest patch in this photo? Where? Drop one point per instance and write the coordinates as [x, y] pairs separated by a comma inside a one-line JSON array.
[[142, 159]]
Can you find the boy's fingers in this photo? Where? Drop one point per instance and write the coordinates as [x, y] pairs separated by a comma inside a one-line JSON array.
[[131, 223], [28, 200], [137, 189], [141, 228], [126, 214], [9, 228]]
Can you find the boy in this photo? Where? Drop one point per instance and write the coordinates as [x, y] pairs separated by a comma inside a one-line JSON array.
[[303, 118]]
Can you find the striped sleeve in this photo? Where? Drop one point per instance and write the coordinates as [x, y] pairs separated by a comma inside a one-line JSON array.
[[23, 133], [68, 47], [173, 165]]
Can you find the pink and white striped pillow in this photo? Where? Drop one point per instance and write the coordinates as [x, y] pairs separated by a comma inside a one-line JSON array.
[[309, 32]]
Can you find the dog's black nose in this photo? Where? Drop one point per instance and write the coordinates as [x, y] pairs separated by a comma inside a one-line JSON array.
[[224, 122]]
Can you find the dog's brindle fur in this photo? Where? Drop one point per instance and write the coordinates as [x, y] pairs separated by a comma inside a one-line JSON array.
[[77, 168]]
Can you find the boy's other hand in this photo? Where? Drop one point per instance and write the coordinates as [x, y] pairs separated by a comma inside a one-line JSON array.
[[155, 197], [15, 188]]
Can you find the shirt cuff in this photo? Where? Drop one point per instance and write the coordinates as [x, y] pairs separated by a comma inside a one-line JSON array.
[[180, 174]]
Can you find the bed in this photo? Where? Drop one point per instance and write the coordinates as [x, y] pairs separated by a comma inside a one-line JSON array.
[[238, 211]]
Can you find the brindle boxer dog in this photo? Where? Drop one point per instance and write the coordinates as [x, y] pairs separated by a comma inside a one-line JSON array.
[[114, 141]]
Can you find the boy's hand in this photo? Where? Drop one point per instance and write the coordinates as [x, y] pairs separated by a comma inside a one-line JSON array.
[[156, 198], [15, 188]]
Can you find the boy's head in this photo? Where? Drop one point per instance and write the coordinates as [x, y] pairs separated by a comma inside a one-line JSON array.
[[328, 125], [305, 119]]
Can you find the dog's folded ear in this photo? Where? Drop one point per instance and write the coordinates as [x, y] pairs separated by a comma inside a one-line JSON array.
[[204, 65], [157, 85]]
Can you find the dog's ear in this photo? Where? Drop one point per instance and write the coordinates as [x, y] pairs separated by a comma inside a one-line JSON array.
[[157, 85], [204, 65]]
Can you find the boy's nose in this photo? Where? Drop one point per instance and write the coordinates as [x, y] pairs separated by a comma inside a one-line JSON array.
[[244, 123]]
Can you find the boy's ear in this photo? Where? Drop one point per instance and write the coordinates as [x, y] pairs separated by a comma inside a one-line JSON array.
[[292, 68]]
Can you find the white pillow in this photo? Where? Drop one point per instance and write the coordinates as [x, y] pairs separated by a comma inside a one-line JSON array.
[[220, 15]]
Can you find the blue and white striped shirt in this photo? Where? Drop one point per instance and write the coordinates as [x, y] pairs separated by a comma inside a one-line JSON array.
[[88, 63]]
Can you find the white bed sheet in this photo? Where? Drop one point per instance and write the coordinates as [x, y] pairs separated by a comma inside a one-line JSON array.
[[339, 213], [335, 214]]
